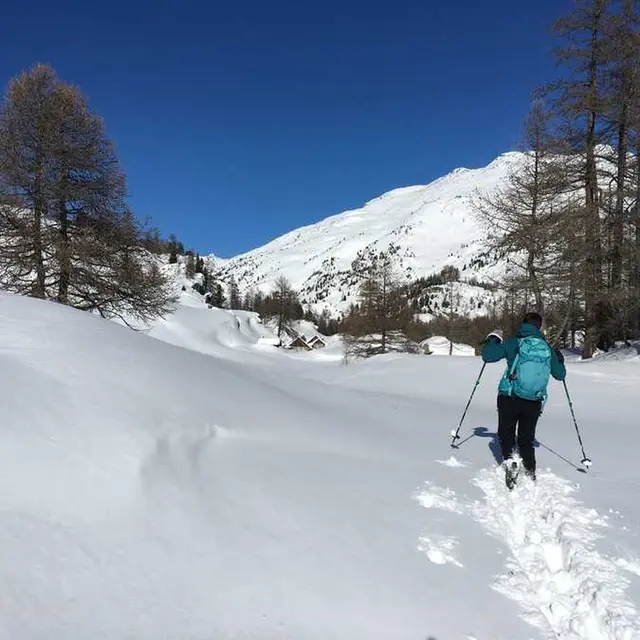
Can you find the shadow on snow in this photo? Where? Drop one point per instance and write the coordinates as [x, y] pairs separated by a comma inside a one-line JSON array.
[[494, 446]]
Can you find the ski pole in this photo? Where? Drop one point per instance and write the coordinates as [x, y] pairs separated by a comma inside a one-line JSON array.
[[585, 461], [454, 433]]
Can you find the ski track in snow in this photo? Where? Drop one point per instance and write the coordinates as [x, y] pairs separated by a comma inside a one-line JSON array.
[[565, 586]]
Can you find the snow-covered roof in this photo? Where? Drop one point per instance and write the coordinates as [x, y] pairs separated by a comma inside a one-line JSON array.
[[299, 341]]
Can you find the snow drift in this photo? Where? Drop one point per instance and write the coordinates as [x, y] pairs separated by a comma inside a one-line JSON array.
[[440, 345]]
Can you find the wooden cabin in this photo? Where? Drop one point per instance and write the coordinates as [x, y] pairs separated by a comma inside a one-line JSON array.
[[299, 343], [317, 343]]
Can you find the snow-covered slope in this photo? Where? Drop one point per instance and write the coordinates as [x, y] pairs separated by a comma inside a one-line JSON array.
[[440, 346], [153, 492], [212, 331], [432, 225]]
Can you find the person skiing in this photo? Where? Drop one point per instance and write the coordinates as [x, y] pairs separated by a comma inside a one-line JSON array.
[[523, 389]]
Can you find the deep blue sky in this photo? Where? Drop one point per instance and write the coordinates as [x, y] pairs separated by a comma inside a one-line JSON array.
[[238, 121]]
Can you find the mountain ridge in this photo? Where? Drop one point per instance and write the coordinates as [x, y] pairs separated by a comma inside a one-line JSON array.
[[428, 227]]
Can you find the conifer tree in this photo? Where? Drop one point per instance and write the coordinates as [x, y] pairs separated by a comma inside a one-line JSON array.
[[218, 298], [524, 217], [382, 308], [235, 301], [65, 230], [191, 265], [578, 102]]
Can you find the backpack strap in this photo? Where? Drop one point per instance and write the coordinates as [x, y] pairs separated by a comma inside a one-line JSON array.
[[514, 364], [509, 374]]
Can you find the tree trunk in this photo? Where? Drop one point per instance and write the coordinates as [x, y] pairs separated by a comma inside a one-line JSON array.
[[64, 249], [39, 212], [531, 266], [572, 299], [535, 283], [593, 266], [635, 270], [384, 310], [618, 215], [636, 287], [451, 317]]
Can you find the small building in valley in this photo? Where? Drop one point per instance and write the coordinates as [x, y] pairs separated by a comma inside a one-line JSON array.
[[317, 342], [299, 343]]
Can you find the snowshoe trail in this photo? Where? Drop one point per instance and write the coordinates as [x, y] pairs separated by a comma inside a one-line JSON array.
[[566, 587], [555, 573]]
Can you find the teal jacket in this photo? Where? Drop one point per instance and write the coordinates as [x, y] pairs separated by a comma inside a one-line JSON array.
[[493, 351]]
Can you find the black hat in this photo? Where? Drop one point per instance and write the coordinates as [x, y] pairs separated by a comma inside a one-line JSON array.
[[533, 318]]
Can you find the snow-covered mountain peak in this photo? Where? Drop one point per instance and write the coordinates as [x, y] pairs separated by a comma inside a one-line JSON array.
[[430, 226]]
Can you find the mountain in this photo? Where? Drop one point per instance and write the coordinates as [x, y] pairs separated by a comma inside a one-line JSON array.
[[430, 227]]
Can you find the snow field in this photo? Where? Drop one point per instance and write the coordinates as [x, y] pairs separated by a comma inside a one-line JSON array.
[[218, 488]]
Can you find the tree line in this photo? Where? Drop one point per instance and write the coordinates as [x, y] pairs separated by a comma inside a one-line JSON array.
[[282, 304], [384, 317], [567, 221]]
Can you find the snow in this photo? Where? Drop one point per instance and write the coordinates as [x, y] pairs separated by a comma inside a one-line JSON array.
[[434, 225], [452, 462], [553, 570], [629, 353], [440, 345], [195, 483], [304, 328], [217, 332]]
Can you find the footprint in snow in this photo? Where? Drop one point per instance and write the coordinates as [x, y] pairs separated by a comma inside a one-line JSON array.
[[440, 549], [452, 462], [433, 497], [565, 586]]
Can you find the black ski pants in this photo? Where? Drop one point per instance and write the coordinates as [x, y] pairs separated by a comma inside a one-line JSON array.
[[516, 412]]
